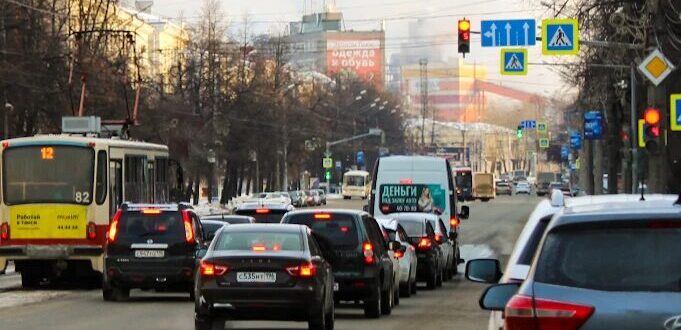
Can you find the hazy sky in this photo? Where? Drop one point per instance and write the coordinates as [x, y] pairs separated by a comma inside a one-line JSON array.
[[271, 15]]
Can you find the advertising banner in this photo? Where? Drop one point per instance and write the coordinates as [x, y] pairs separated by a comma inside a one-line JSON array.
[[362, 57], [428, 198]]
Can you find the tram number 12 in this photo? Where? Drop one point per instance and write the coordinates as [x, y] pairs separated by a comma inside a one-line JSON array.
[[47, 153]]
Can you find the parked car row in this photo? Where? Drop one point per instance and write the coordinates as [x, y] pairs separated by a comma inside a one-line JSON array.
[[303, 198], [596, 262]]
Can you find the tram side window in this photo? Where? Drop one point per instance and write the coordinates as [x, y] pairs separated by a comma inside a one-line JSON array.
[[136, 179], [116, 179], [161, 184], [101, 186]]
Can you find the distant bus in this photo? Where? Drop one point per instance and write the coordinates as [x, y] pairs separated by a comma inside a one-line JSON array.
[[464, 183], [356, 184]]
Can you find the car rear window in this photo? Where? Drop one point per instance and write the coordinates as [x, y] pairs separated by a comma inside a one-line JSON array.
[[530, 248], [614, 259], [338, 231], [412, 227], [210, 227], [236, 221], [263, 215], [259, 241], [162, 227]]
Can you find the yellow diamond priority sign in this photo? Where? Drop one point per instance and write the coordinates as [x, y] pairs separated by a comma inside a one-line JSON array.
[[656, 67]]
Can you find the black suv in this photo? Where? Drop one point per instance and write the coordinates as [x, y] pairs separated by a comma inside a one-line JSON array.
[[359, 256], [152, 247]]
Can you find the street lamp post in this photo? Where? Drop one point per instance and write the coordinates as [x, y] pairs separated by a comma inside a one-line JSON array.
[[8, 108], [210, 157]]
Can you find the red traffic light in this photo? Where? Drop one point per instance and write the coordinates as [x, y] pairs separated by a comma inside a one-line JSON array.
[[652, 117]]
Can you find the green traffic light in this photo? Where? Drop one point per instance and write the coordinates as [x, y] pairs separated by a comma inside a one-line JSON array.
[[327, 175], [520, 134]]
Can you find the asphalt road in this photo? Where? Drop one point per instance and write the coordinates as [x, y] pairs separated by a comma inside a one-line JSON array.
[[491, 231]]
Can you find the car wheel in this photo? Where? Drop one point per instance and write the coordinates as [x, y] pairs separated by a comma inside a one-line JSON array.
[[412, 287], [331, 316], [372, 308], [388, 300], [318, 320], [432, 281], [439, 278], [396, 294], [112, 292], [405, 289]]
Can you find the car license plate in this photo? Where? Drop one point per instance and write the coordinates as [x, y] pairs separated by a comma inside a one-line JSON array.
[[150, 253], [252, 277], [336, 287]]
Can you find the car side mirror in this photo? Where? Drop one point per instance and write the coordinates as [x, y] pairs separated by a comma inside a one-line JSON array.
[[316, 259], [365, 208], [465, 212], [483, 271], [497, 296]]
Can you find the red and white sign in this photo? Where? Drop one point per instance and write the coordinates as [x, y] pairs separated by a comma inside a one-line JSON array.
[[363, 57]]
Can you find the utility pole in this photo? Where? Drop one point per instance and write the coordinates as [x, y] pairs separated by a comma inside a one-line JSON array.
[[657, 96], [423, 64]]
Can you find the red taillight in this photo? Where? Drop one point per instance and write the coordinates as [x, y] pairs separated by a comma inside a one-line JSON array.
[[210, 269], [4, 231], [303, 270], [438, 238], [188, 228], [399, 254], [454, 222], [368, 249], [525, 313], [322, 216], [113, 227], [262, 211], [91, 231], [424, 244]]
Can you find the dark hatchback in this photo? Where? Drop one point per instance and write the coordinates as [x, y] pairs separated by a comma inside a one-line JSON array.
[[264, 272], [264, 213], [358, 254], [151, 247], [428, 252]]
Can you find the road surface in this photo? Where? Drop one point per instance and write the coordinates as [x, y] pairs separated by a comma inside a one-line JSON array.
[[491, 231]]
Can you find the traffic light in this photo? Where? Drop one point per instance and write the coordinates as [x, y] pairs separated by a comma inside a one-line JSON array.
[[464, 36], [519, 132], [327, 175], [651, 128]]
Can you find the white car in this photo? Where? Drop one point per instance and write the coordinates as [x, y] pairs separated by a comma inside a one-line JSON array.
[[518, 266], [523, 187], [406, 256], [275, 197]]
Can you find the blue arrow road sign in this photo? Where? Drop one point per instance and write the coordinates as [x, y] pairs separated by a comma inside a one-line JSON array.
[[504, 33], [675, 112], [575, 141], [528, 124]]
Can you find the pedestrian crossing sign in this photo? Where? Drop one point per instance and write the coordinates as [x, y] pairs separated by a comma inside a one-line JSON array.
[[675, 113], [544, 143], [560, 37], [514, 62]]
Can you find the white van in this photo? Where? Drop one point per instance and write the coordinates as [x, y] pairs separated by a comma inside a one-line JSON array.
[[415, 184], [356, 184]]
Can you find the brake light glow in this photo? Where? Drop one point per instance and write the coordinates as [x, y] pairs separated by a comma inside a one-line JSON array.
[[210, 269], [188, 228], [259, 247], [526, 313], [438, 238], [399, 254], [406, 181], [262, 211], [91, 231], [303, 270], [151, 211], [424, 244], [4, 231], [454, 222], [113, 228], [344, 229], [5, 145], [368, 249], [322, 216]]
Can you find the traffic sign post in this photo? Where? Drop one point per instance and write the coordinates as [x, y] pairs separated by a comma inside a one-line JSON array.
[[514, 62], [528, 124], [542, 127], [656, 67], [675, 112], [575, 141], [560, 37], [544, 143], [505, 33]]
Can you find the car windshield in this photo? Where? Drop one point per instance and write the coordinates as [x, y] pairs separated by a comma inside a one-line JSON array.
[[161, 228], [48, 174], [614, 258], [338, 231], [259, 241], [354, 180]]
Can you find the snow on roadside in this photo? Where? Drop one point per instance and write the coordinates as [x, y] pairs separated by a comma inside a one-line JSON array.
[[20, 298]]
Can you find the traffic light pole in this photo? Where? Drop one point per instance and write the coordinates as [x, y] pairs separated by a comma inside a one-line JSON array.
[[327, 153]]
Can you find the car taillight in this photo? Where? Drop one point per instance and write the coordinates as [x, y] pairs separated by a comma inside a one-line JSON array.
[[4, 231], [523, 312], [454, 222], [399, 254], [91, 231], [424, 244], [303, 270], [322, 216], [438, 238], [113, 227], [368, 249], [210, 269], [188, 229]]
